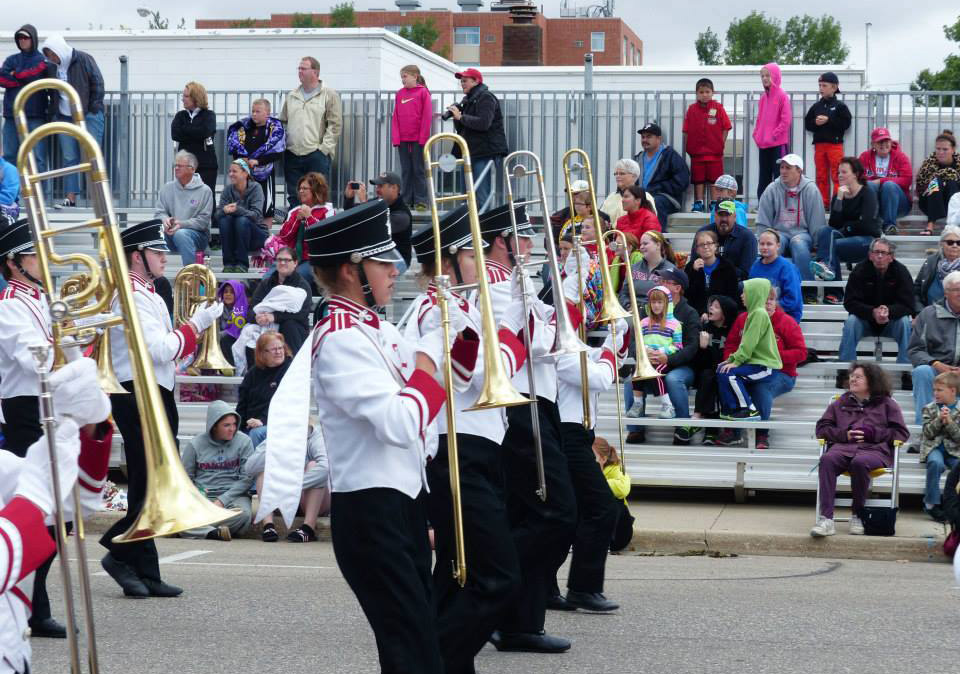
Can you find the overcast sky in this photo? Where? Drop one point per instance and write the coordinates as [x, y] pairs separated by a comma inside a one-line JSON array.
[[905, 37]]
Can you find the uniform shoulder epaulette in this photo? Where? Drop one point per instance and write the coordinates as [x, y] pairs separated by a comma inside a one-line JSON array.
[[339, 320]]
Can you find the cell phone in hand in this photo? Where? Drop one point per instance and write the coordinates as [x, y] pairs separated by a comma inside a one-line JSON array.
[[354, 185]]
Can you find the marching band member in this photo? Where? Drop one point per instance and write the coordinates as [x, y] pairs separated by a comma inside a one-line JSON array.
[[540, 529], [377, 398], [135, 566], [467, 616]]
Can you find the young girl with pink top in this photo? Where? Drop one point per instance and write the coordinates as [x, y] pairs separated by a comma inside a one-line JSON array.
[[412, 114], [774, 120]]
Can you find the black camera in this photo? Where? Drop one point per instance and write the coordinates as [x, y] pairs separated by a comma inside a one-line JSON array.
[[354, 186], [447, 115]]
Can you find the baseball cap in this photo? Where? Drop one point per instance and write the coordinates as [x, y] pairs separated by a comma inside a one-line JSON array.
[[579, 186], [651, 127], [727, 182], [470, 72], [727, 207], [880, 133], [791, 160], [830, 77], [386, 178], [678, 276]]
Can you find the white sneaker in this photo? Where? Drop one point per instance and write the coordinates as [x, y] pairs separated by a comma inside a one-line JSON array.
[[823, 527], [635, 411], [856, 526], [667, 411]]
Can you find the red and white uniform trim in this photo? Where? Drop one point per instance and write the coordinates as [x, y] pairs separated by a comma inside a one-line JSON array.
[[24, 321]]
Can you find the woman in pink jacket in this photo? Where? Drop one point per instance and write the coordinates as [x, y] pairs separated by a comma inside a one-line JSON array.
[[774, 120], [412, 114]]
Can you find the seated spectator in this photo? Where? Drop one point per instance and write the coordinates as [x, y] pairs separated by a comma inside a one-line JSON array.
[[562, 220], [619, 483], [953, 210], [639, 216], [9, 189], [940, 439], [312, 192], [939, 179], [214, 461], [783, 275], [793, 206], [315, 498], [853, 225], [626, 172], [293, 325], [721, 314], [233, 294], [184, 205], [726, 189], [933, 343], [663, 173], [928, 285], [737, 245], [271, 360], [880, 302], [261, 140], [709, 274], [662, 334], [859, 428], [239, 218], [889, 174], [635, 257], [656, 256], [387, 186]]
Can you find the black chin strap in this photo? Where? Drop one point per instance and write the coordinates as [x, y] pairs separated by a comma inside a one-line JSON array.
[[26, 274], [146, 267], [510, 255], [456, 270], [365, 287]]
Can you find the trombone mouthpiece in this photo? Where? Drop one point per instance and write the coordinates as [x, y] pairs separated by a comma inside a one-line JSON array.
[[58, 310], [519, 171]]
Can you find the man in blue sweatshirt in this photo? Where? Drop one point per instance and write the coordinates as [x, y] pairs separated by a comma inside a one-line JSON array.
[[17, 71]]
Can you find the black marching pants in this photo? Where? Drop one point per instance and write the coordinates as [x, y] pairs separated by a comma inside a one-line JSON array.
[[467, 616], [142, 555], [541, 529], [382, 548]]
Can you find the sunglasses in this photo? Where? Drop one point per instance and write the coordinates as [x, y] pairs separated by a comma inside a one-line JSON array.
[[951, 242]]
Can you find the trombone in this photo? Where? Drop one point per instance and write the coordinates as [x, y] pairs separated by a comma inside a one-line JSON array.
[[194, 285], [102, 352], [497, 390], [172, 503]]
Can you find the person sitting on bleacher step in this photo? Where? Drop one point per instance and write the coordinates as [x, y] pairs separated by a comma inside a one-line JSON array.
[[940, 439], [734, 244], [933, 345]]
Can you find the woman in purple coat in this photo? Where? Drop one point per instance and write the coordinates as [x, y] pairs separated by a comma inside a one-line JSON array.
[[859, 428]]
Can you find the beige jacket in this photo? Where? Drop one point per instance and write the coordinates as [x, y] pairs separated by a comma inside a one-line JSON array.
[[312, 124]]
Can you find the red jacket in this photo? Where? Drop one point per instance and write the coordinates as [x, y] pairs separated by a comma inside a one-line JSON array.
[[412, 114], [705, 126], [291, 234], [899, 169], [636, 223], [790, 342]]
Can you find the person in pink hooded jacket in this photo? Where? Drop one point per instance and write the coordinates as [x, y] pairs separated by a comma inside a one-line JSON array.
[[772, 132], [412, 114]]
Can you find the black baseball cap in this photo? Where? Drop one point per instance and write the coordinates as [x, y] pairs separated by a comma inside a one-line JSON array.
[[386, 178], [651, 127]]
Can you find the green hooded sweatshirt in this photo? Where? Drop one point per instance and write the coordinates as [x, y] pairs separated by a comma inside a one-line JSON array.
[[758, 345]]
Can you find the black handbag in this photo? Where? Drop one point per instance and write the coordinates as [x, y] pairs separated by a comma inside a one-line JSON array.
[[879, 520]]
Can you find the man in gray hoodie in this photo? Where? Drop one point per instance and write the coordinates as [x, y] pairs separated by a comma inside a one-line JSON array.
[[793, 206], [214, 461], [184, 205]]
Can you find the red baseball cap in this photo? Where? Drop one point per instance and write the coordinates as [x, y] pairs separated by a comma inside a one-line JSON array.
[[471, 72], [880, 133]]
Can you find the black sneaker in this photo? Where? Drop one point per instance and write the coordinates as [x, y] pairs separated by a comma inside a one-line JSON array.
[[740, 414], [842, 380], [682, 435], [637, 437], [763, 439], [935, 513], [810, 297], [728, 437], [710, 437], [906, 381], [890, 230]]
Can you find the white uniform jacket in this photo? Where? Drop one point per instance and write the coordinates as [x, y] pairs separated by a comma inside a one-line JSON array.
[[600, 377], [375, 407], [24, 321], [165, 344]]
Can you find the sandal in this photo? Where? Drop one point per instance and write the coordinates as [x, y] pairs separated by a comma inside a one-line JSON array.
[[929, 230], [304, 534], [269, 534]]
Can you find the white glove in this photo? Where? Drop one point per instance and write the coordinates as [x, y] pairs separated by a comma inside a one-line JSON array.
[[516, 291], [570, 264], [620, 327], [205, 316], [36, 481], [77, 393], [572, 290], [431, 345], [458, 319], [512, 318]]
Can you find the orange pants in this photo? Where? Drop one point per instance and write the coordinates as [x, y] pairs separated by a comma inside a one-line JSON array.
[[826, 157]]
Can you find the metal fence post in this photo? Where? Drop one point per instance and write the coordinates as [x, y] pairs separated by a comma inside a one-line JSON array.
[[123, 136], [589, 127]]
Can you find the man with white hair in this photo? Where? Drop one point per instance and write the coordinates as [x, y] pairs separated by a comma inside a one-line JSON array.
[[184, 205], [933, 343]]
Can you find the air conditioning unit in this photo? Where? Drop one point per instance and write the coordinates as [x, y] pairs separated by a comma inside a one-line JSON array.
[[408, 5], [470, 5]]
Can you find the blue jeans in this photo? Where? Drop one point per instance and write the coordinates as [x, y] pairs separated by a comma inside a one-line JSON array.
[[628, 402], [296, 166], [678, 382], [732, 386], [482, 188], [797, 249], [922, 390], [11, 142], [70, 149], [833, 248], [238, 236], [855, 329], [257, 435], [937, 461], [187, 242], [893, 202], [764, 392]]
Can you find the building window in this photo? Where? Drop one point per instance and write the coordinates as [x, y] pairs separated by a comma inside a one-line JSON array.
[[489, 37], [626, 52], [393, 29], [578, 43], [597, 40], [466, 35]]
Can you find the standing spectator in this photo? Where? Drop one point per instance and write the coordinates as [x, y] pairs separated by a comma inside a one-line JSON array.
[[939, 179], [705, 129], [709, 274], [625, 172], [412, 114], [782, 274], [934, 346], [387, 186], [721, 314], [82, 73], [827, 119], [725, 189], [772, 132], [890, 175], [940, 439], [639, 216], [738, 245], [928, 284], [194, 129], [792, 206], [184, 205], [271, 360], [879, 298], [239, 217], [663, 173], [17, 71], [313, 120], [313, 194], [479, 120], [260, 139], [293, 325]]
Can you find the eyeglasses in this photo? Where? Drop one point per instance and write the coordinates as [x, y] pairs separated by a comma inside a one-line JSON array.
[[622, 173], [951, 242], [284, 259], [706, 244], [881, 253], [182, 166], [276, 349]]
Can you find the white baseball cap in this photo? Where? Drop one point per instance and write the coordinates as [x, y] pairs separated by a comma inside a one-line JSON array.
[[792, 160]]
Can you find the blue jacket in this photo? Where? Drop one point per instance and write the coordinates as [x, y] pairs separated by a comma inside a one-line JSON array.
[[739, 247], [22, 68], [9, 183], [671, 177], [782, 274]]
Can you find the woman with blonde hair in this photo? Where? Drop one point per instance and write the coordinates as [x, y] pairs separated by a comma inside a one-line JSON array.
[[194, 129]]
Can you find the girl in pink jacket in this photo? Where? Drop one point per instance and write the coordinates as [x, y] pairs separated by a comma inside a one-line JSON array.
[[412, 114], [774, 120]]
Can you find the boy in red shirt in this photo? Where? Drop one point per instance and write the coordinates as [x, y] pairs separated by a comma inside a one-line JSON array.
[[705, 129]]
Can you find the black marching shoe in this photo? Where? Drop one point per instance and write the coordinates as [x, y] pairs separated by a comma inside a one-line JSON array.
[[529, 642], [591, 601], [158, 588], [125, 576], [48, 627], [557, 602]]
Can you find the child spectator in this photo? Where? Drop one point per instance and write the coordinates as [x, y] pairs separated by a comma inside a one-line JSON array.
[[725, 189], [781, 273], [410, 130], [774, 119], [261, 140], [234, 317], [940, 439], [755, 359], [705, 129], [827, 119], [619, 483], [632, 255], [721, 313], [664, 333], [640, 216]]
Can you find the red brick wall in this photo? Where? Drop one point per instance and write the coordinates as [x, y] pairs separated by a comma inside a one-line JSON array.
[[562, 35]]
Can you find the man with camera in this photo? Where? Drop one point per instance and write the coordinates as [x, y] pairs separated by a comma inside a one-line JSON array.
[[387, 186], [479, 120]]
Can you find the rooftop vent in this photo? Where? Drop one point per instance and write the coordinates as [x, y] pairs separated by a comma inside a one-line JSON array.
[[408, 5]]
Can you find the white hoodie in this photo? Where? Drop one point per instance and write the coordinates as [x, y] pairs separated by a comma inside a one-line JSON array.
[[64, 52]]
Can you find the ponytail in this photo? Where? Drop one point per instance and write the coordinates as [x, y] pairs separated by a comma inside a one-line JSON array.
[[415, 71]]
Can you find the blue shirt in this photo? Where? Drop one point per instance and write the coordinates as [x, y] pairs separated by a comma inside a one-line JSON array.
[[741, 213], [649, 165], [9, 183], [783, 275]]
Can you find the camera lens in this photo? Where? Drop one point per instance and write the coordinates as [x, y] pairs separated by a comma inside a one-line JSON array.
[[446, 115]]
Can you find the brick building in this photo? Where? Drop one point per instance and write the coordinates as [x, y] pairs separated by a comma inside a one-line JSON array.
[[478, 38]]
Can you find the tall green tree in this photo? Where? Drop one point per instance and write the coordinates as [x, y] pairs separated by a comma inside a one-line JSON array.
[[708, 48], [947, 79], [423, 33], [808, 40], [752, 40], [343, 16], [757, 39]]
